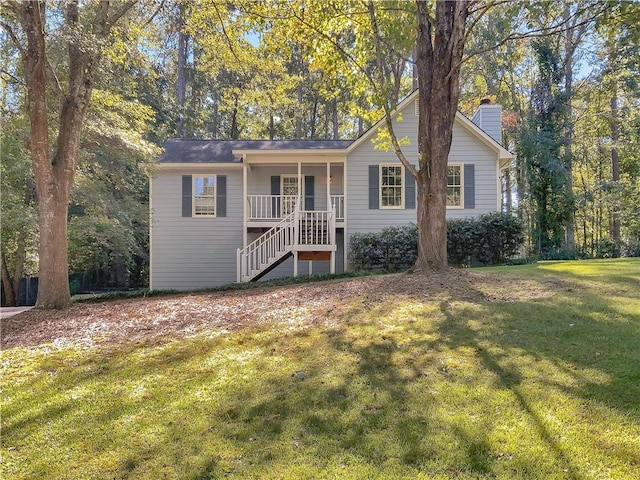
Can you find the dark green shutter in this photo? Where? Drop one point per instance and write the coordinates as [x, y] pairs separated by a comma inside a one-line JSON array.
[[275, 190], [469, 186], [187, 184], [221, 196], [410, 190], [374, 187], [309, 193]]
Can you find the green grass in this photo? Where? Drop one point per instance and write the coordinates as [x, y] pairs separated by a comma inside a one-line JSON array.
[[529, 372]]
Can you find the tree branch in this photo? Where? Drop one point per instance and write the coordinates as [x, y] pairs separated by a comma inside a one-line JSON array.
[[55, 82], [13, 37], [13, 77], [382, 72], [151, 18], [119, 14], [542, 31]]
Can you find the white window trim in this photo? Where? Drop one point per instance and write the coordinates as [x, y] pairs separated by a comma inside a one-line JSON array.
[[402, 187], [461, 206], [193, 197]]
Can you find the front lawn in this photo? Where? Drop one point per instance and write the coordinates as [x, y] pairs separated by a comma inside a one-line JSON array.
[[518, 373]]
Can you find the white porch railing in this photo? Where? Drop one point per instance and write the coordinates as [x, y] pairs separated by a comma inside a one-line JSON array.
[[270, 207], [276, 207], [267, 249]]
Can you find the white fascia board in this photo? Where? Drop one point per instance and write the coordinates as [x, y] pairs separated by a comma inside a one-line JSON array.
[[198, 166], [293, 152], [293, 156], [502, 152]]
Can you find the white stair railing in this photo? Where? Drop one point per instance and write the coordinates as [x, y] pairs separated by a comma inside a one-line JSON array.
[[267, 249], [315, 228], [296, 231]]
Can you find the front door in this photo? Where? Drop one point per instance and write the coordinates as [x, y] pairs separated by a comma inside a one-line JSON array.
[[290, 191]]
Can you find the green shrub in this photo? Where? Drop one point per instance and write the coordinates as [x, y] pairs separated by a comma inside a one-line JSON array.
[[498, 236], [390, 250], [461, 238], [564, 254], [490, 239], [631, 250], [608, 248]]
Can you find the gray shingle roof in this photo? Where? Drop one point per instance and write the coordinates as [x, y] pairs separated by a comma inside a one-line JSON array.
[[221, 151]]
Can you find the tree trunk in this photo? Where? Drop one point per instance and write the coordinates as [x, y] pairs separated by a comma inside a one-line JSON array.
[[438, 57], [54, 173], [314, 119], [508, 203], [18, 268], [52, 179], [334, 118], [235, 131], [615, 166], [570, 241], [10, 297], [181, 83], [299, 112], [216, 120], [572, 38], [53, 285]]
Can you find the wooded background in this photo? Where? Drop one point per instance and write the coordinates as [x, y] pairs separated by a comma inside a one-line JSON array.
[[213, 69]]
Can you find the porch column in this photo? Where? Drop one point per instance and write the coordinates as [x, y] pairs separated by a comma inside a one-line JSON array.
[[300, 198], [345, 201], [244, 200], [328, 185]]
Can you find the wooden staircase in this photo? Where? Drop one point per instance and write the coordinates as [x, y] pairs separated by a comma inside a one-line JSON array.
[[309, 232]]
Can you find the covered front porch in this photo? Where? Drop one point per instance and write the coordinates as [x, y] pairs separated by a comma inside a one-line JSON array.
[[272, 191], [293, 208]]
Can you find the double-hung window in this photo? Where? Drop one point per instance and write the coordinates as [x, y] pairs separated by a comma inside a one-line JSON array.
[[204, 195], [455, 191], [391, 186]]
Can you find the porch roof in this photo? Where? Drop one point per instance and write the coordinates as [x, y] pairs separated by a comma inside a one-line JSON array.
[[221, 151]]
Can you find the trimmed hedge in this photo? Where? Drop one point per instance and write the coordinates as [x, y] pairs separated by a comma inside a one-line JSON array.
[[490, 239], [391, 250]]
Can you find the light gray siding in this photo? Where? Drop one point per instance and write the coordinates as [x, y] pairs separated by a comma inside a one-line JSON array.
[[189, 253], [466, 149], [489, 119]]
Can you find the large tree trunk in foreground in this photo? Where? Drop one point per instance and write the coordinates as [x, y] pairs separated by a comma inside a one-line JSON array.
[[54, 171], [438, 57]]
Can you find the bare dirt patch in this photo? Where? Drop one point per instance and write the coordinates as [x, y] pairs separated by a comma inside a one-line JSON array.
[[163, 317]]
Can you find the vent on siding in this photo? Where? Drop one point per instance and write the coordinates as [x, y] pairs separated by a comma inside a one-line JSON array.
[[417, 108]]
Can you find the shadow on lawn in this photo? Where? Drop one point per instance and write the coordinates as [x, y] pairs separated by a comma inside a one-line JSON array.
[[355, 396], [572, 331]]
